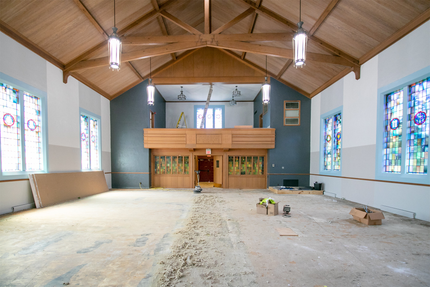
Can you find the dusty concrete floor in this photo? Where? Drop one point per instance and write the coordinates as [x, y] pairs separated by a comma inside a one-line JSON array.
[[177, 238]]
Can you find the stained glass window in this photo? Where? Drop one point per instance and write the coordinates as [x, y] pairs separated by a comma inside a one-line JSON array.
[[328, 136], [214, 117], [199, 117], [90, 143], [33, 132], [218, 118], [209, 124], [249, 165], [392, 142], [171, 164], [337, 140], [10, 129], [417, 144], [332, 142]]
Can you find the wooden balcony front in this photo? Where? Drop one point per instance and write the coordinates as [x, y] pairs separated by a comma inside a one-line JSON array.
[[236, 138]]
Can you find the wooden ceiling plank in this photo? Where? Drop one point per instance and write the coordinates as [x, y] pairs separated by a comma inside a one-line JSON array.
[[90, 85], [323, 16], [90, 17], [212, 79], [284, 69], [161, 23], [330, 82], [293, 26], [260, 69], [136, 55], [134, 70], [154, 40], [415, 23], [180, 23], [234, 21], [147, 17], [208, 17], [14, 34]]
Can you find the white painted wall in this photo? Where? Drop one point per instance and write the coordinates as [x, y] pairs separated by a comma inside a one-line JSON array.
[[359, 101], [238, 115], [63, 103]]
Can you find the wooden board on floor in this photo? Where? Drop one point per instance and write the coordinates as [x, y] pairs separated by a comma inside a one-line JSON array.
[[286, 232], [292, 191], [52, 188]]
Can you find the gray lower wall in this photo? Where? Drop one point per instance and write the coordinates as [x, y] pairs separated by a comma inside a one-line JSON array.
[[63, 158], [13, 193], [129, 116]]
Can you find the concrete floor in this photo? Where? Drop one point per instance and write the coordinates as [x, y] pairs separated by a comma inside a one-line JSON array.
[[120, 237]]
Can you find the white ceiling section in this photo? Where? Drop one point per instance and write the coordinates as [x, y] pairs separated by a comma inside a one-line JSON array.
[[199, 92]]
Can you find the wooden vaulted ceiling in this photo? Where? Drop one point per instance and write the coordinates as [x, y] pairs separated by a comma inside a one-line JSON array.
[[343, 34]]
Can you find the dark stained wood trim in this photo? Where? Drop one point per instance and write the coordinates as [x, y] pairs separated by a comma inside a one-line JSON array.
[[11, 180], [90, 17], [330, 82], [11, 32], [323, 16], [418, 21], [90, 85], [367, 179]]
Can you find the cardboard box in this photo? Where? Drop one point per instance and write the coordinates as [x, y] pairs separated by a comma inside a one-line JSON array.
[[374, 217], [261, 209], [272, 209]]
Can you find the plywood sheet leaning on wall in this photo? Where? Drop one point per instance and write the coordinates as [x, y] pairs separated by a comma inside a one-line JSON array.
[[52, 188]]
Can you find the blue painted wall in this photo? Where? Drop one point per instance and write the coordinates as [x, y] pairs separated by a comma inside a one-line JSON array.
[[258, 109], [292, 143], [129, 116]]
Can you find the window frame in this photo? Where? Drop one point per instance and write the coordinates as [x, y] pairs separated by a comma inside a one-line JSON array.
[[332, 113], [24, 87], [196, 107], [99, 137], [401, 84], [298, 109]]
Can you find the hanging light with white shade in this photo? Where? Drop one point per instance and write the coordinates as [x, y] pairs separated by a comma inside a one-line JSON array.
[[266, 89], [114, 46], [300, 40], [150, 89]]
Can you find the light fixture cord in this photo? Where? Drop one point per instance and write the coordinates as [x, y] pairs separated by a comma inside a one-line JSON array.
[[150, 67], [300, 11], [114, 21], [266, 66]]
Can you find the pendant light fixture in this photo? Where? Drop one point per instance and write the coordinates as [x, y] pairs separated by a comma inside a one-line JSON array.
[[236, 93], [233, 101], [115, 46], [181, 96], [266, 88], [150, 88], [300, 40]]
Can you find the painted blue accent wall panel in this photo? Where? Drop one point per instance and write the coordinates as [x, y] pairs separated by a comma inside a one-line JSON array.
[[129, 116]]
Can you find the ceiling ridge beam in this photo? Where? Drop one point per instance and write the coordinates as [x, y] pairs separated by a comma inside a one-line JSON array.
[[147, 17], [323, 16], [326, 46], [234, 21], [180, 23], [157, 71], [162, 24], [260, 69], [136, 55], [412, 25], [14, 34], [284, 68], [208, 16], [91, 18]]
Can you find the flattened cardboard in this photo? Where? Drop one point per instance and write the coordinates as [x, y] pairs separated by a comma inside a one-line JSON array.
[[373, 218], [53, 188], [286, 232]]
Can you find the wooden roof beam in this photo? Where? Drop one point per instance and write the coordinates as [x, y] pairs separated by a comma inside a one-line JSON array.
[[323, 16], [234, 21], [157, 40], [136, 55], [293, 26], [284, 68], [180, 23], [91, 18], [252, 26], [145, 18], [263, 70], [161, 23], [208, 17]]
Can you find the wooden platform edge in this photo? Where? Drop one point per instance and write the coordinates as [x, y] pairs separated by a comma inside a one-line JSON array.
[[291, 191]]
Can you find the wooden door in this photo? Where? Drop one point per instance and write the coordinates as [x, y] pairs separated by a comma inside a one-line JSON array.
[[206, 167], [218, 170]]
